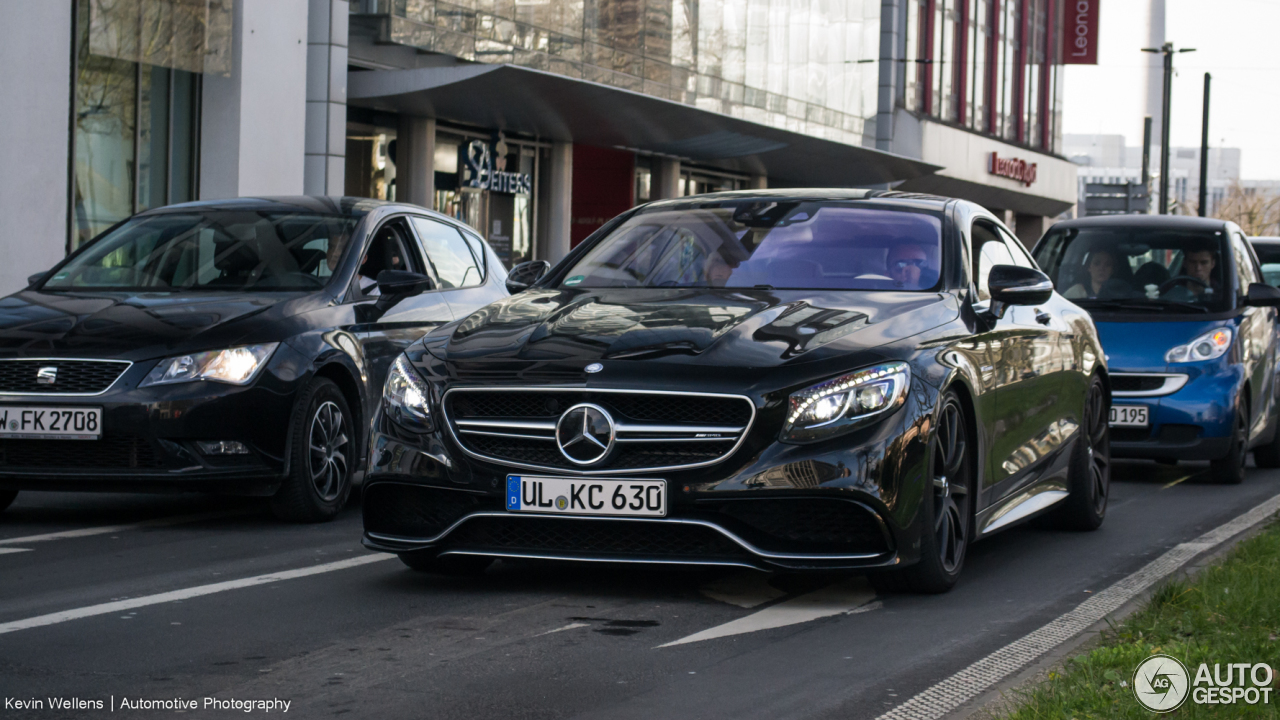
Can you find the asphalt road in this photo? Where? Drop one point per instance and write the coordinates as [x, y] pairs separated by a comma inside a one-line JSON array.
[[525, 640]]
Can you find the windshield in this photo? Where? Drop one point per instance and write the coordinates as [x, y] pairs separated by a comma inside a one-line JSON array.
[[212, 250], [789, 245], [1138, 269]]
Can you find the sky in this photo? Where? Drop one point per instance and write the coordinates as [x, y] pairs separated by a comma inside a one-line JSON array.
[[1235, 41]]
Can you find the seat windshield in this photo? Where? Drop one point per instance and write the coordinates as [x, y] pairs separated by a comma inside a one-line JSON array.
[[1122, 269], [240, 250], [790, 245]]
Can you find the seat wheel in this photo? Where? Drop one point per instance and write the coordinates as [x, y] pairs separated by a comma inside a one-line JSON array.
[[1230, 469], [6, 498], [324, 447], [1089, 475], [428, 561]]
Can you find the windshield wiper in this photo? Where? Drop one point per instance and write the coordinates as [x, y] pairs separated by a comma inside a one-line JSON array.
[[1144, 305], [1165, 302]]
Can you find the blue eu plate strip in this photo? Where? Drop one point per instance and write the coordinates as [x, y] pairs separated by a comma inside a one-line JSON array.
[[513, 492]]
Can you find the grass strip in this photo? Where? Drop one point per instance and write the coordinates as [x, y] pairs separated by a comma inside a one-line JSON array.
[[1229, 613]]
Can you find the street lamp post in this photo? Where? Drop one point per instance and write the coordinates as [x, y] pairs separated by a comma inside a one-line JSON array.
[[1168, 51]]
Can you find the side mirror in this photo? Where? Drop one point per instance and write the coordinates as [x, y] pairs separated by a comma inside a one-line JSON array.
[[1261, 295], [396, 285], [33, 279], [1014, 285], [526, 274]]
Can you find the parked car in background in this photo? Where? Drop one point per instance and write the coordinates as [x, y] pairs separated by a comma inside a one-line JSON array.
[[234, 346], [791, 379], [1268, 251], [1188, 326]]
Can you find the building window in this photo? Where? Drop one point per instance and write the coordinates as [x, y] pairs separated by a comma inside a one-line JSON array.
[[135, 135]]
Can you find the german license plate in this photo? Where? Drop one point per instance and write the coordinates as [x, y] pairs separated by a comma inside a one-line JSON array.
[[1129, 416], [587, 496], [50, 423]]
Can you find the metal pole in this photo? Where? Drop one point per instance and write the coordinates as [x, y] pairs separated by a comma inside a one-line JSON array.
[[1146, 153], [1204, 153], [1167, 49]]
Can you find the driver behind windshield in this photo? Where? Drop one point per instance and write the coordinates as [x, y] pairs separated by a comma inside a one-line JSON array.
[[906, 261], [1196, 281]]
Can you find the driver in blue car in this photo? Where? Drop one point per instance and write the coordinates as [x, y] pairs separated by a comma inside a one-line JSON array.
[[1196, 283]]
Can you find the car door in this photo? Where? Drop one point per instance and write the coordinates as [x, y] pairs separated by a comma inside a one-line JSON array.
[[384, 332], [1024, 366], [459, 262], [1257, 328]]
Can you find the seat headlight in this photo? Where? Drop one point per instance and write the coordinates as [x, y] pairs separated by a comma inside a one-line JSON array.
[[1211, 345], [844, 403], [237, 366], [406, 397]]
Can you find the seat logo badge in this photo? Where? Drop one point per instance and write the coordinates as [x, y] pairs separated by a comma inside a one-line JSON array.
[[47, 376], [594, 368], [585, 434]]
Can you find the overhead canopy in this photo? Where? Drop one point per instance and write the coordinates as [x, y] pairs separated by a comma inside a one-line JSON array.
[[557, 107]]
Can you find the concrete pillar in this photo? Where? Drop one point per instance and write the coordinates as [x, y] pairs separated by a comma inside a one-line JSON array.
[[253, 122], [35, 112], [326, 133], [416, 160], [1029, 228], [758, 182], [664, 182], [890, 84], [555, 204]]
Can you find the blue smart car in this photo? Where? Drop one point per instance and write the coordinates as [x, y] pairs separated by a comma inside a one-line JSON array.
[[1188, 327]]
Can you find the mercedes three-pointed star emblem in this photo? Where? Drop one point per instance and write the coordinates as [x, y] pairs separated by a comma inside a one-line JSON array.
[[585, 434]]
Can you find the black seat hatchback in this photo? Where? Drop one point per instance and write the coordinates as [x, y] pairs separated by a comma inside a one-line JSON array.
[[234, 346]]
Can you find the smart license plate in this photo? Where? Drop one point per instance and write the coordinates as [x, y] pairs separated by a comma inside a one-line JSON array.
[[587, 496], [1129, 416], [50, 423]]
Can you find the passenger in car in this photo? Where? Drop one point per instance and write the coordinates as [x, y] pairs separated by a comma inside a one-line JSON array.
[[1101, 282]]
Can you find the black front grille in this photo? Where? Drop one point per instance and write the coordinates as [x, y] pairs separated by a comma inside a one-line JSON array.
[[1136, 383], [806, 525], [627, 457], [417, 512], [641, 407], [613, 538], [108, 453], [80, 377]]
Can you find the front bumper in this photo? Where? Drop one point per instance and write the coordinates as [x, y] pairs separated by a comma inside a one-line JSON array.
[[149, 436], [1192, 423]]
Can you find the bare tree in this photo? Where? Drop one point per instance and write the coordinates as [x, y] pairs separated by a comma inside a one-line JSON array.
[[1255, 210]]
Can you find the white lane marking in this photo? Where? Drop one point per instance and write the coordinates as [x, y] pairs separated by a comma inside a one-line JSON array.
[[838, 599], [746, 589], [106, 529], [7, 551], [570, 626], [175, 595], [944, 697]]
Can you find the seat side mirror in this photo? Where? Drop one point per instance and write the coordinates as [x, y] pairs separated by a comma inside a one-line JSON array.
[[1262, 295], [396, 285], [526, 274]]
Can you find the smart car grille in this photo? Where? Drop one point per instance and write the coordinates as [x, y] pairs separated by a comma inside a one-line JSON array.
[[108, 453], [654, 431], [1137, 383], [613, 538], [418, 512], [70, 377]]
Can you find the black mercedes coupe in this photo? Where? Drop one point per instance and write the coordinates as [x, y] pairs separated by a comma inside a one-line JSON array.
[[791, 379], [234, 346]]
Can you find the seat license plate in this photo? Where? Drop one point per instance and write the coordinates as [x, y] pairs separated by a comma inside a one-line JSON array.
[[50, 423], [1129, 416], [587, 496]]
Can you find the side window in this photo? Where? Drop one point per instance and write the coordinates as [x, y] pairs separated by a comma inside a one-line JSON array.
[[448, 253], [389, 250], [988, 251], [1021, 257]]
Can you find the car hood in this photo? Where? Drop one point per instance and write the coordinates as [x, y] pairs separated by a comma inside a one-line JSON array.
[[135, 326], [1141, 347], [562, 331]]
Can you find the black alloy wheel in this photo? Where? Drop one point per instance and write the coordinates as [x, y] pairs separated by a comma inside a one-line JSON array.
[[324, 448], [1230, 469], [6, 498], [947, 507], [1089, 475]]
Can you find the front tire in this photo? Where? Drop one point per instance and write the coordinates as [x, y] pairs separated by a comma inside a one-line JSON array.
[[947, 506], [429, 561], [1089, 476], [1230, 469], [6, 498], [323, 449]]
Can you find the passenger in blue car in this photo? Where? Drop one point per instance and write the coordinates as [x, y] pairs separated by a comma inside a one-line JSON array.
[[1100, 270]]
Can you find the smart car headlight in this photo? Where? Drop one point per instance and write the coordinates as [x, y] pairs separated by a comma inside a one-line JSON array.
[[1211, 345], [844, 403], [237, 366], [406, 397]]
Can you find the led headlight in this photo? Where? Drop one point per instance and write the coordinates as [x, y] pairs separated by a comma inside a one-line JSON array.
[[237, 366], [406, 397], [1211, 345], [844, 403]]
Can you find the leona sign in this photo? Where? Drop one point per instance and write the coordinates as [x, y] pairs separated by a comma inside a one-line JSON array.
[[1080, 32], [1012, 168], [481, 173]]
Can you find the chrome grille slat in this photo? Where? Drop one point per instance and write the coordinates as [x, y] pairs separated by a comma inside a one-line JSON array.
[[480, 430]]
